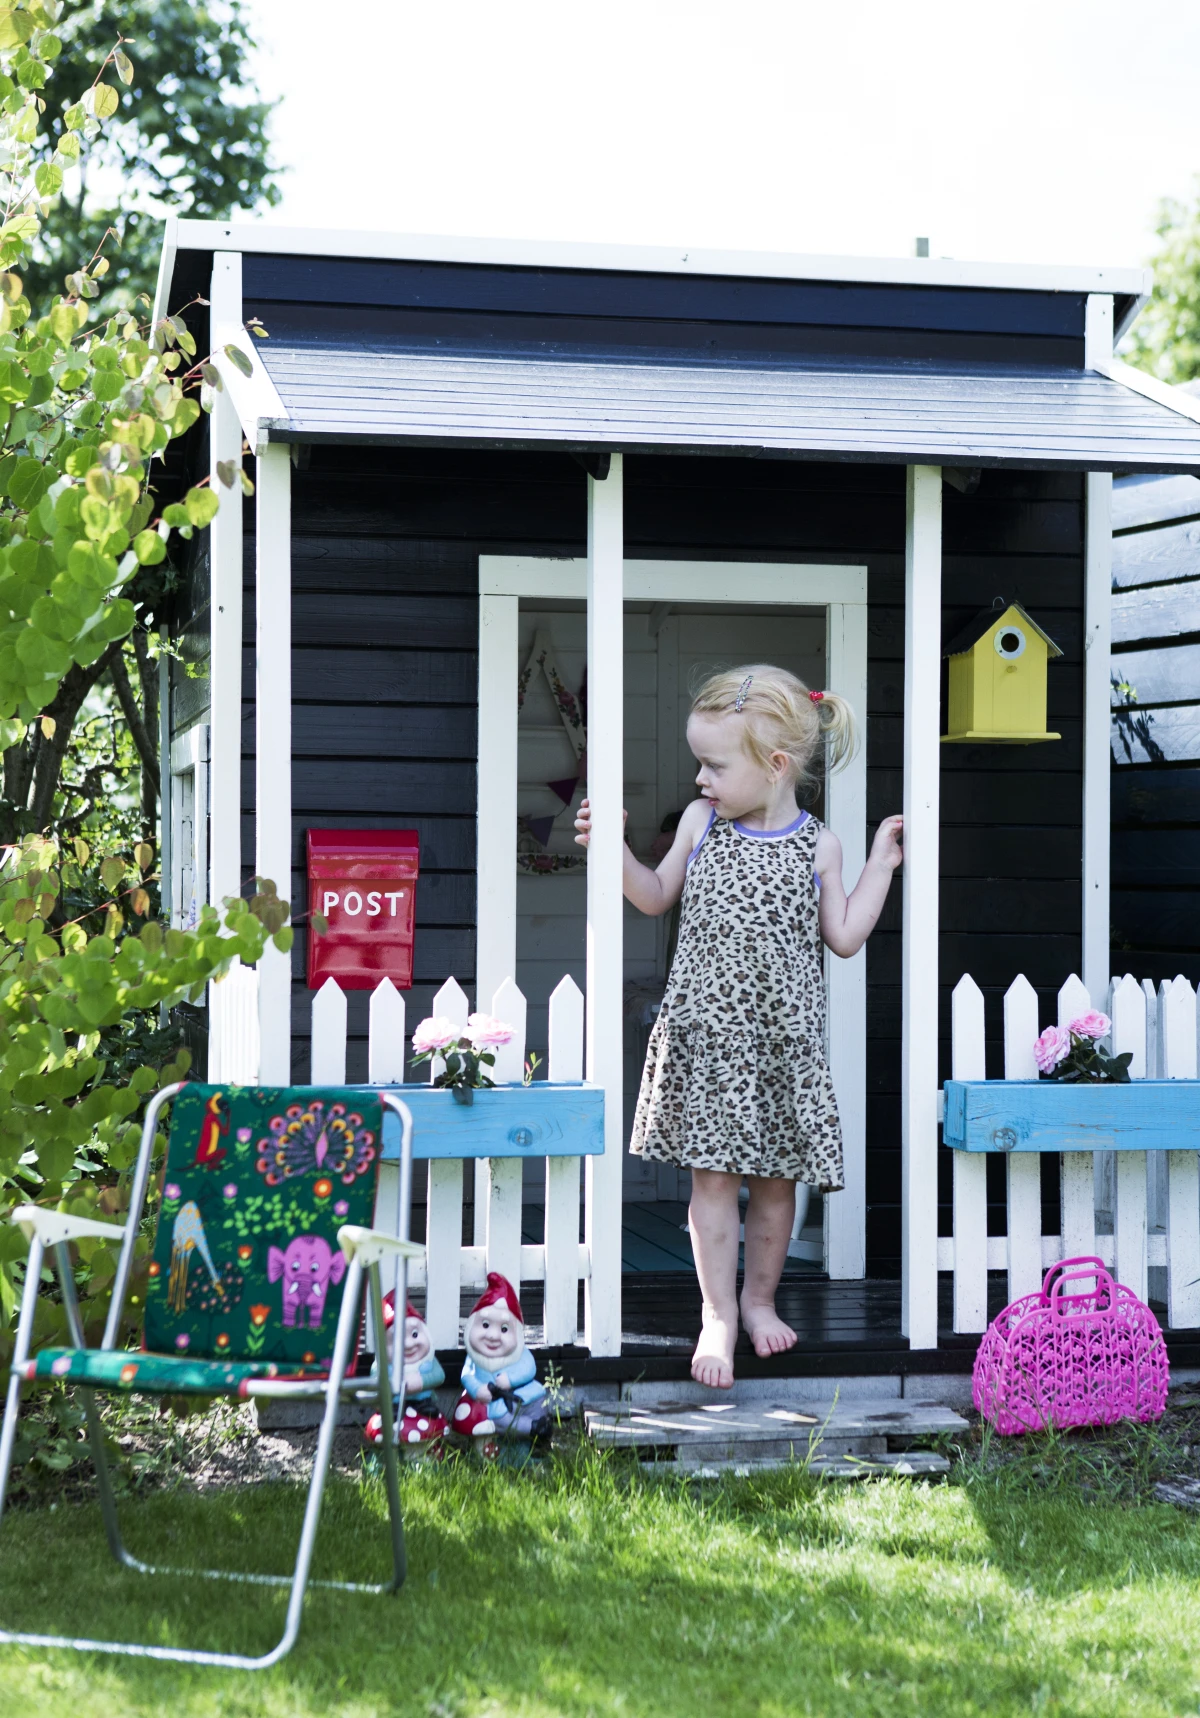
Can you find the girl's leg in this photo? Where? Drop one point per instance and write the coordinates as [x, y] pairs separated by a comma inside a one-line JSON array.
[[713, 1221], [769, 1218]]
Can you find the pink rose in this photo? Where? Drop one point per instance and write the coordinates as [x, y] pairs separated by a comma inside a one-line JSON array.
[[486, 1032], [1051, 1047], [1093, 1024], [436, 1033]]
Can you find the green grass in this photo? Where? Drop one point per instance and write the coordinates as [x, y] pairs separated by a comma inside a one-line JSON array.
[[586, 1590]]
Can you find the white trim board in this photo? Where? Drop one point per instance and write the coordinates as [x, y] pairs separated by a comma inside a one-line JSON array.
[[265, 239], [788, 582], [842, 591]]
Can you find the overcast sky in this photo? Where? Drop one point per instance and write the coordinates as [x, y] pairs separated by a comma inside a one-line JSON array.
[[1033, 130]]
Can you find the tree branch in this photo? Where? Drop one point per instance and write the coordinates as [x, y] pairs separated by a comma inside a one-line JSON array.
[[48, 754], [147, 746]]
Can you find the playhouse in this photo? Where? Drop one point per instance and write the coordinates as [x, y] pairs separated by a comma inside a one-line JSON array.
[[511, 499]]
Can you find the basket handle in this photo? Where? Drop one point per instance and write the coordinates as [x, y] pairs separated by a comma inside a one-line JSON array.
[[1092, 1272], [1068, 1265]]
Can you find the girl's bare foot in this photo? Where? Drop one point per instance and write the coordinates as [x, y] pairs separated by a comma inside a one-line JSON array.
[[766, 1330], [712, 1363]]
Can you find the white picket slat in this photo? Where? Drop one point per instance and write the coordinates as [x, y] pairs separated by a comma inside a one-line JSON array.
[[502, 1235], [1156, 1167], [328, 1050], [970, 1168], [443, 1209], [1177, 1048], [385, 1043], [1024, 1169], [1128, 1011], [565, 1062], [1077, 1169]]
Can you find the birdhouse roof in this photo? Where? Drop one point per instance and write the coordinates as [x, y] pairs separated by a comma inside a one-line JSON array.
[[990, 617]]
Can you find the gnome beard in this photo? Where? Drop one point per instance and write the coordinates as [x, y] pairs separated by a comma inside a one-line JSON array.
[[501, 1392]]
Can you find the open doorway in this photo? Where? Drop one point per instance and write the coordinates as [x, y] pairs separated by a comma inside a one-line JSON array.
[[682, 621]]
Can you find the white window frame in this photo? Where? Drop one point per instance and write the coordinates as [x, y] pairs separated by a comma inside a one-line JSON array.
[[842, 592], [189, 825]]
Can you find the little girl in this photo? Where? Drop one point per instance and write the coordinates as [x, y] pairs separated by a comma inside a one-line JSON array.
[[736, 1085]]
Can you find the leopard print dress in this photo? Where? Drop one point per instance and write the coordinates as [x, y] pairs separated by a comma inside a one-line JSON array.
[[735, 1076]]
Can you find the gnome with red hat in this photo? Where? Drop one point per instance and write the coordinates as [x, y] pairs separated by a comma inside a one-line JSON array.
[[420, 1422], [501, 1392]]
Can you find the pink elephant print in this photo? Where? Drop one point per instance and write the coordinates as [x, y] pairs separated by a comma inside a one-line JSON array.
[[307, 1267]]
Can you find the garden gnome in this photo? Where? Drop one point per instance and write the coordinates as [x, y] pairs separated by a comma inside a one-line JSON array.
[[500, 1388], [420, 1423]]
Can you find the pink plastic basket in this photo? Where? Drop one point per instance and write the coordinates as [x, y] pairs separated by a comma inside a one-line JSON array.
[[1087, 1357]]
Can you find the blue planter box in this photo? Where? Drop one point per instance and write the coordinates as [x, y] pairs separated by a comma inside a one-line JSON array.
[[1042, 1115], [550, 1118]]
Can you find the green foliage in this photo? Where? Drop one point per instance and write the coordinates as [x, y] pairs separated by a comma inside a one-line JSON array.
[[184, 133], [1165, 339]]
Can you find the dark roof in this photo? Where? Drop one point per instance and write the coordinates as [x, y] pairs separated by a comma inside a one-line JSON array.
[[986, 619], [1064, 419]]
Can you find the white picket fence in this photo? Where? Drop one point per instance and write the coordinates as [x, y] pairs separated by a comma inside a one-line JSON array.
[[560, 1260], [233, 1038], [1132, 1209]]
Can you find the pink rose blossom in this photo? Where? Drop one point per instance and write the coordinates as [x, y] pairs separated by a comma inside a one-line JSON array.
[[1093, 1024], [436, 1033], [486, 1032], [1050, 1049]]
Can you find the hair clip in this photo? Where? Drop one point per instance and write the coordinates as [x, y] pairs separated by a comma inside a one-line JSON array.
[[741, 693], [816, 696]]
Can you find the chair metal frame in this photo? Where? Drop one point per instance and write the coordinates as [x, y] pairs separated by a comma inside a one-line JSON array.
[[366, 1249]]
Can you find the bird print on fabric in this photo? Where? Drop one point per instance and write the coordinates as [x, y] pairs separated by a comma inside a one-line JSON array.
[[213, 1124], [188, 1237], [311, 1138]]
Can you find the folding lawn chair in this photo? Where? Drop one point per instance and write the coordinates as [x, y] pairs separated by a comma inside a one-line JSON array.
[[254, 1290]]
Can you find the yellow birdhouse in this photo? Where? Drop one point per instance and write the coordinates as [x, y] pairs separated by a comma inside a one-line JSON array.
[[998, 679]]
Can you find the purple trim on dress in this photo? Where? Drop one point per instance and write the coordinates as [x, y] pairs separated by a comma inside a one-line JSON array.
[[771, 834], [817, 880], [712, 818]]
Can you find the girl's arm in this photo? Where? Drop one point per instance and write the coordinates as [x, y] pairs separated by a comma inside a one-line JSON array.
[[847, 921], [654, 892]]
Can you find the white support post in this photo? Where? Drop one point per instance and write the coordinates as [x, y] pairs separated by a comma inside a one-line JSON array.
[[564, 1062], [496, 824], [1097, 755], [846, 811], [502, 1232], [1129, 1178], [919, 964], [1177, 1041], [385, 1067], [225, 658], [605, 901], [444, 1210], [1024, 1167], [1077, 1176], [273, 729], [970, 1168]]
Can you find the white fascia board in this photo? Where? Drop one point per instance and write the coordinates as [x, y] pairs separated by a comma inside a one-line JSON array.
[[264, 239], [1162, 393], [166, 268]]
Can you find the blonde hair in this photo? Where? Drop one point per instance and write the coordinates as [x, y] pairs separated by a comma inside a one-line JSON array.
[[780, 715]]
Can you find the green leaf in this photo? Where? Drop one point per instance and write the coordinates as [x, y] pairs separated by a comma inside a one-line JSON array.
[[14, 383], [15, 28], [29, 481], [124, 67], [48, 179], [75, 117], [201, 505], [112, 872], [149, 548], [105, 101], [238, 359]]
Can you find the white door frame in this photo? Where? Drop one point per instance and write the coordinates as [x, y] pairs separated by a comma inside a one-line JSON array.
[[842, 592]]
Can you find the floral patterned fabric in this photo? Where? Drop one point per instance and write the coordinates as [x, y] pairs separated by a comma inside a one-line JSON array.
[[157, 1374], [258, 1181]]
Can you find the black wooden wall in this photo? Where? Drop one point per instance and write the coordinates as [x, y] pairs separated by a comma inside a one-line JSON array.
[[386, 546], [1156, 727]]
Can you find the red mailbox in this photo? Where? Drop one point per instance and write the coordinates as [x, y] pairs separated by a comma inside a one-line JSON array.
[[363, 882]]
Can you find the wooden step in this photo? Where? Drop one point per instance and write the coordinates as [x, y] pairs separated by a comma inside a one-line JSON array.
[[733, 1433], [912, 1464]]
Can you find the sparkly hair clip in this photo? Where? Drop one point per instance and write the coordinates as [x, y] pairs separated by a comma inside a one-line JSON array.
[[816, 696], [741, 693]]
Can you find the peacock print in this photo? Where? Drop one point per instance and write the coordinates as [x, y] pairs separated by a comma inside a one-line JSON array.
[[188, 1237], [310, 1138]]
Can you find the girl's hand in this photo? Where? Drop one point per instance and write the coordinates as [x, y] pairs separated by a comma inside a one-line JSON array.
[[886, 849], [583, 822]]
